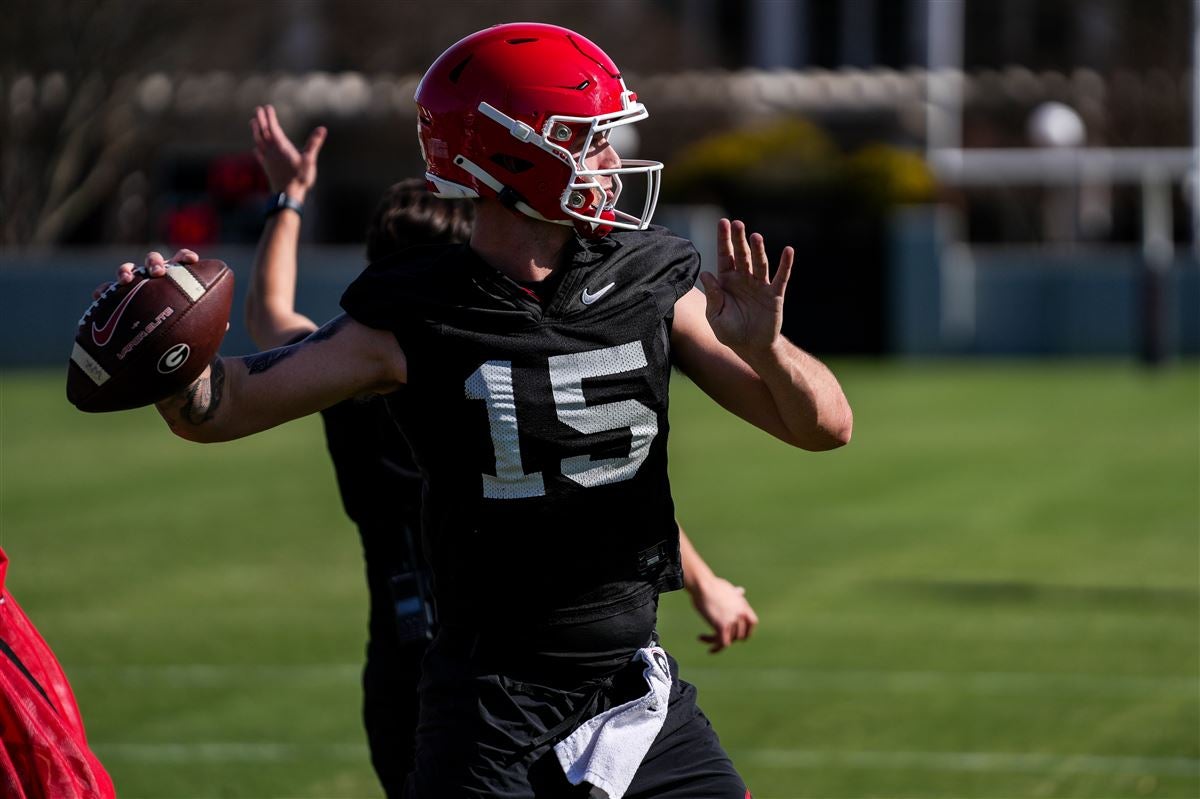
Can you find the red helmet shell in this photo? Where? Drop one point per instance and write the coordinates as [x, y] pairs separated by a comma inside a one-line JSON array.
[[529, 73]]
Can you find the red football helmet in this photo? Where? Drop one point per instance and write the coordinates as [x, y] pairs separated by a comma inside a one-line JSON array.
[[513, 111]]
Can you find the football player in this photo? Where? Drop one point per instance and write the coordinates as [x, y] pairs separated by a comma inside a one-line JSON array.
[[377, 478], [537, 360]]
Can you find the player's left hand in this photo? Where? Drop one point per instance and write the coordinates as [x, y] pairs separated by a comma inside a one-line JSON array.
[[744, 303], [725, 607]]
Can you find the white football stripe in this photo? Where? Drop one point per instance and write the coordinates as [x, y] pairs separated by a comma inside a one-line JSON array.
[[186, 281], [88, 364]]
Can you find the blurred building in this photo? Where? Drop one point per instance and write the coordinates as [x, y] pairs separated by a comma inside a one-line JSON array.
[[1123, 65], [124, 122]]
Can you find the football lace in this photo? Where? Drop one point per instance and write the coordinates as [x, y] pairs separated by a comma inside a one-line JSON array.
[[141, 270]]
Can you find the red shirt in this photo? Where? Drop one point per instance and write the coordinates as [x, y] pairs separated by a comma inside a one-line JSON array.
[[43, 747]]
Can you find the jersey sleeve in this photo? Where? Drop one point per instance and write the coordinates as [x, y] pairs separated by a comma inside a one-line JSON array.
[[375, 298], [399, 292], [678, 268]]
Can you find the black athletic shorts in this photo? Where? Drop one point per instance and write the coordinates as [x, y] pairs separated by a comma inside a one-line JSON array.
[[489, 732]]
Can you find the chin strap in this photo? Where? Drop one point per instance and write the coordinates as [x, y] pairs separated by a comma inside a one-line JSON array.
[[506, 194]]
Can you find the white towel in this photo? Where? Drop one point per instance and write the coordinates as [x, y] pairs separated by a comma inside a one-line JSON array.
[[606, 750]]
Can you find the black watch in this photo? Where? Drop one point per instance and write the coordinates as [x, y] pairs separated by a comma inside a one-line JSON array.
[[281, 201]]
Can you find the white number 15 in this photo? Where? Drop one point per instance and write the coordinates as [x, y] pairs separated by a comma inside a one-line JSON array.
[[493, 383]]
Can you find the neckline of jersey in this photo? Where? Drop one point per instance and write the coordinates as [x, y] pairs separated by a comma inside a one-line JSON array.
[[580, 253]]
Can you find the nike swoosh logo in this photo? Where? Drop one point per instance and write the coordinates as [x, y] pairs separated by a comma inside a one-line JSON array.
[[102, 335], [588, 298]]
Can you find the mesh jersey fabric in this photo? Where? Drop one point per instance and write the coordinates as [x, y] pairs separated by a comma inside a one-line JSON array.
[[541, 427]]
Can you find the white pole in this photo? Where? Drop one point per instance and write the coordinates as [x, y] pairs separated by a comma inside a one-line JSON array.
[[1157, 251], [1194, 176], [943, 98], [1158, 247]]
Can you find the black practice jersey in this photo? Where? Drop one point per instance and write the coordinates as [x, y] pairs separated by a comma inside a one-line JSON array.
[[377, 478], [540, 426], [380, 488]]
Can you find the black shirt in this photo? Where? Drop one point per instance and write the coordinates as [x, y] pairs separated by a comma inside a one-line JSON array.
[[540, 427], [380, 488]]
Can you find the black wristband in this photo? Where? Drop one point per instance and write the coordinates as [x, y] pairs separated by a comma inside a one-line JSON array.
[[281, 201]]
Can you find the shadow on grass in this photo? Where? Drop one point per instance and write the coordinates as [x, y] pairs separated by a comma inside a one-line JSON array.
[[1181, 599]]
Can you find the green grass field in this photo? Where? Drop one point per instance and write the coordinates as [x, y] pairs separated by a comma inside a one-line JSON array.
[[992, 592]]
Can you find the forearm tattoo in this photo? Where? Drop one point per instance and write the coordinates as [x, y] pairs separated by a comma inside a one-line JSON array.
[[262, 361], [328, 329], [204, 396]]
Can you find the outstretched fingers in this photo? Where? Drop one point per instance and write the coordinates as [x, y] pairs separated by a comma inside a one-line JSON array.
[[256, 132], [760, 266], [742, 259], [262, 124], [273, 125], [733, 251], [780, 281], [313, 146], [737, 252], [724, 246]]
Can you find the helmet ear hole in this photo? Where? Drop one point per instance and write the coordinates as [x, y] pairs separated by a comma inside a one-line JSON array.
[[581, 199], [511, 163]]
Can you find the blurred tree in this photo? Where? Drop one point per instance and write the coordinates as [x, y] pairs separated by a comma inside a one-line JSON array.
[[77, 120], [407, 37], [92, 89], [99, 99], [789, 181]]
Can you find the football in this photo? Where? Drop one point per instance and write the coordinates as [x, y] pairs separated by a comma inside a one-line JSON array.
[[146, 340]]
